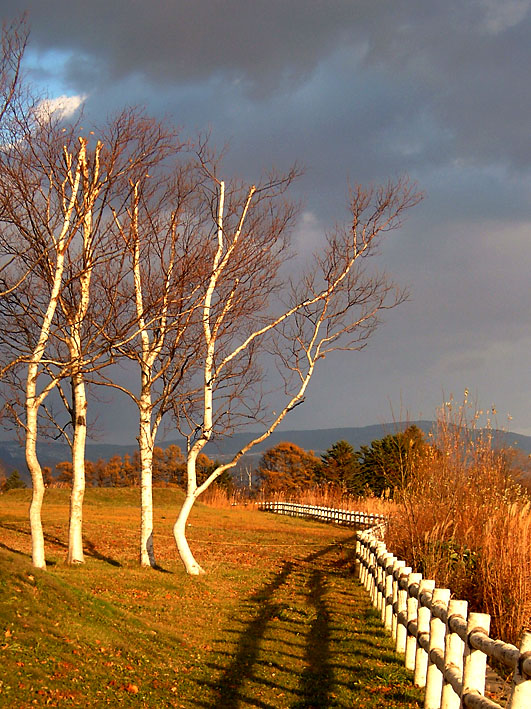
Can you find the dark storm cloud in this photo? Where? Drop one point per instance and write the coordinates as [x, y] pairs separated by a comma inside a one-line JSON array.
[[355, 90], [261, 42], [466, 63]]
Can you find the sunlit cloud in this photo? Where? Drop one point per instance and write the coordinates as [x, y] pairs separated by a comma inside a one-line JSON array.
[[62, 107]]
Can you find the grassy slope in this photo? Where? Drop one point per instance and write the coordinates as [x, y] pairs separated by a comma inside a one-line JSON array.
[[278, 621]]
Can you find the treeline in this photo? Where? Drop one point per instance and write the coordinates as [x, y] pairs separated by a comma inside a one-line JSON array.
[[376, 469], [169, 468]]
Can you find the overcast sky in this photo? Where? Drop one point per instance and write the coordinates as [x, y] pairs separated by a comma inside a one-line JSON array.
[[359, 91]]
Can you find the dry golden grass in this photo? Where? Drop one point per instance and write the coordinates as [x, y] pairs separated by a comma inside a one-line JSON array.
[[505, 568], [464, 522], [333, 497], [279, 619]]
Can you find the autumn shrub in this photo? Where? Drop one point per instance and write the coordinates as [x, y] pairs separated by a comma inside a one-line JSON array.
[[465, 522]]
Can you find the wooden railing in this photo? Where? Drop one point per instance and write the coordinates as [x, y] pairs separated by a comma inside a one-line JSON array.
[[446, 647], [324, 514], [443, 645]]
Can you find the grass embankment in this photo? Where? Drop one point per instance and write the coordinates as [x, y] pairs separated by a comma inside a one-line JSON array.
[[278, 621]]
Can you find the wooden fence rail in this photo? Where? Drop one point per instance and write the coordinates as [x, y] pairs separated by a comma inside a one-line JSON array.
[[443, 645]]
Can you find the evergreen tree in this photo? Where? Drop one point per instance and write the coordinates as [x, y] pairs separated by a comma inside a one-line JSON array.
[[387, 463], [339, 466], [13, 482]]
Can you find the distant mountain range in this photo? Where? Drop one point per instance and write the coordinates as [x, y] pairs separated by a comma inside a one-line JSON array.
[[319, 440]]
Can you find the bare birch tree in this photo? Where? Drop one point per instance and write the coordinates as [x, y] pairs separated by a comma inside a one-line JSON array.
[[39, 213], [165, 258], [129, 148], [335, 306], [44, 180]]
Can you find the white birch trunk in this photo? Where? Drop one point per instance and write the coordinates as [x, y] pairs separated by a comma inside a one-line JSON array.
[[179, 533], [145, 442], [179, 528], [37, 535], [79, 405], [79, 397], [33, 401], [75, 531], [147, 429]]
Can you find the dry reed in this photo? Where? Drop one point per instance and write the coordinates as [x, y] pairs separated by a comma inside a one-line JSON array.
[[466, 523], [333, 496]]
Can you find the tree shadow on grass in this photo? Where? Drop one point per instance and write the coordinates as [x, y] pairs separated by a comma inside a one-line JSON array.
[[90, 550], [315, 683], [23, 553], [241, 667], [88, 546], [161, 569], [317, 678]]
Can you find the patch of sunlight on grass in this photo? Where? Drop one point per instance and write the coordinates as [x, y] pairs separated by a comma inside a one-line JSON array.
[[278, 621]]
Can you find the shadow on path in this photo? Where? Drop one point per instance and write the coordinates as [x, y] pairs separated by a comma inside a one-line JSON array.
[[317, 678], [241, 667], [305, 618], [307, 639]]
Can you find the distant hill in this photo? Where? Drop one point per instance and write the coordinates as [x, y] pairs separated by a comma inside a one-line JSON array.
[[318, 440]]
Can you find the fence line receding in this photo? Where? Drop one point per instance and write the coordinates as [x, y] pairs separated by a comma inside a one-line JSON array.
[[324, 514], [444, 645]]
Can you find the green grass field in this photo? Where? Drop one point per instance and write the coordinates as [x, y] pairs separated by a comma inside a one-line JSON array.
[[278, 621]]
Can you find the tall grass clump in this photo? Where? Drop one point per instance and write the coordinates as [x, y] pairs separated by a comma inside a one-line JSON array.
[[332, 496], [465, 522]]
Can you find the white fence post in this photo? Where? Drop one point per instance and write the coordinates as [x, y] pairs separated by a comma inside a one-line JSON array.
[[401, 614], [423, 631], [412, 605], [386, 561], [364, 572], [521, 691], [434, 675], [388, 594], [398, 567], [475, 661], [453, 655], [373, 570]]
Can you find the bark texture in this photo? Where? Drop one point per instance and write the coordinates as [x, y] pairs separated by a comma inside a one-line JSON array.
[[179, 532]]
